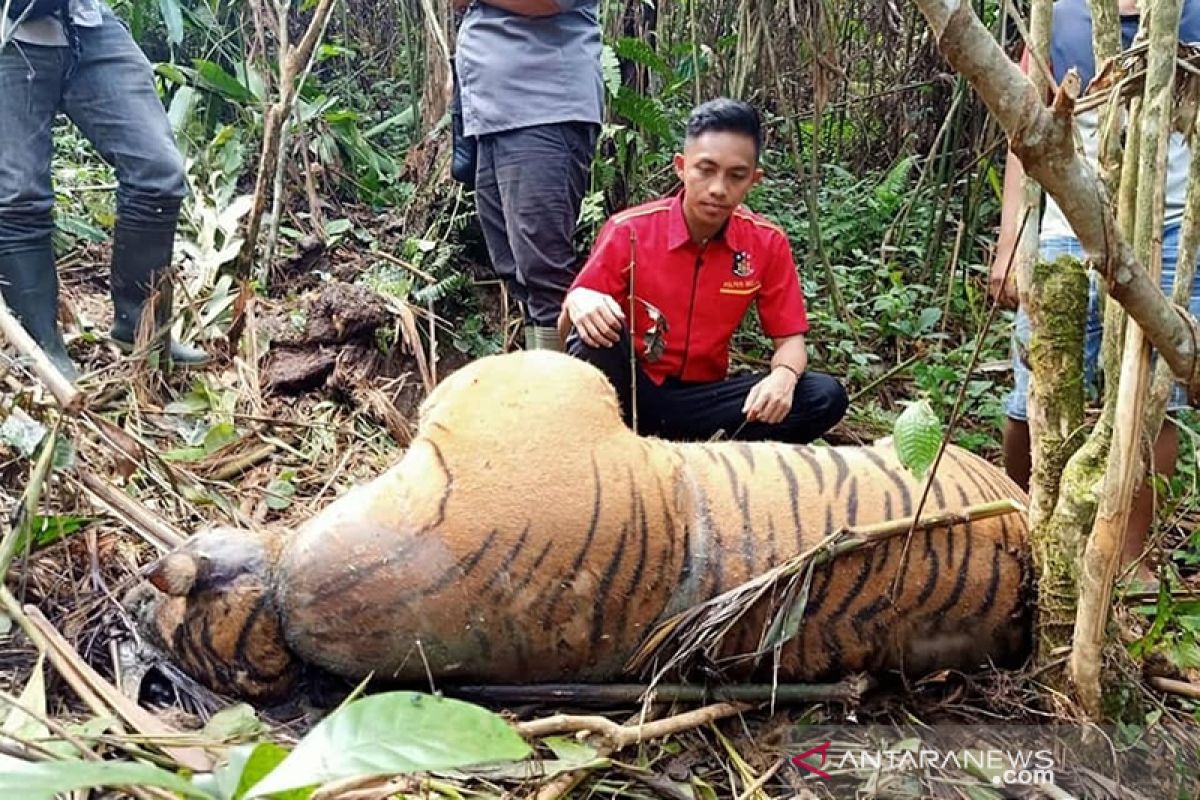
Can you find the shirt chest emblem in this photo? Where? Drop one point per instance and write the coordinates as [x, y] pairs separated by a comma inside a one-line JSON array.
[[742, 267]]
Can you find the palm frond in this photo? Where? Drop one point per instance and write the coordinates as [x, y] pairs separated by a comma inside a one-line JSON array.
[[698, 635]]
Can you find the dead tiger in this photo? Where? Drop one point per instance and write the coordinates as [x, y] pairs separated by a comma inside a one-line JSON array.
[[527, 535]]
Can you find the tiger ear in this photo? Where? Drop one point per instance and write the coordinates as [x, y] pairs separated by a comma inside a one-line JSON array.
[[174, 574]]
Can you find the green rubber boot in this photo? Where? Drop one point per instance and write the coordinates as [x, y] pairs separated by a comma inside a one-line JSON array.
[[140, 257], [542, 338], [29, 283]]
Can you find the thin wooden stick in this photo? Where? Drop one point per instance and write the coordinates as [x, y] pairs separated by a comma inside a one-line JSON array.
[[616, 736], [614, 694], [632, 330], [69, 398], [761, 780]]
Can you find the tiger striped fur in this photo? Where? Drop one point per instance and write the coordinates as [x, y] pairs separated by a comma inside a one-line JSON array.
[[528, 535]]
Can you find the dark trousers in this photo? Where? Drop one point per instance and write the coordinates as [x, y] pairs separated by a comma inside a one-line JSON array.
[[529, 186], [108, 91], [697, 411]]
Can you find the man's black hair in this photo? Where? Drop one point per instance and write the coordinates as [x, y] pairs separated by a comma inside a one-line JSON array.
[[724, 115]]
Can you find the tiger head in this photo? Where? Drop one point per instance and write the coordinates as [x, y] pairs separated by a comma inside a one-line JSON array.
[[210, 605]]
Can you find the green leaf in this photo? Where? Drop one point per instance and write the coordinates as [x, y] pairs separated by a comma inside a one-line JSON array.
[[79, 228], [570, 749], [181, 107], [929, 318], [393, 733], [237, 722], [173, 19], [280, 492], [611, 69], [639, 51], [214, 78], [1185, 654], [338, 226], [20, 725], [246, 766], [43, 780], [917, 434]]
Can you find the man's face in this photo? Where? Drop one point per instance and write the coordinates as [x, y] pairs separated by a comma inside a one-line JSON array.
[[717, 170]]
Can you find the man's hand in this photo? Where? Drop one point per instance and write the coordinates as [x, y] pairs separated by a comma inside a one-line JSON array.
[[1003, 291], [459, 5], [597, 317], [771, 398]]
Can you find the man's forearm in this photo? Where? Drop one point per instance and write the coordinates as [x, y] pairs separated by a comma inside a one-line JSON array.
[[527, 8], [791, 353]]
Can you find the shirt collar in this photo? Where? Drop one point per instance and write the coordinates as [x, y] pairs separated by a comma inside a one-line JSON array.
[[678, 234]]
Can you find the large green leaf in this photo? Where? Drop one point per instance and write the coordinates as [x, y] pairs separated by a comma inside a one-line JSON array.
[[173, 18], [43, 780], [917, 434], [394, 733]]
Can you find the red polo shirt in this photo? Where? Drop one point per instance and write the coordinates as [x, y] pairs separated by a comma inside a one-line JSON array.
[[688, 300]]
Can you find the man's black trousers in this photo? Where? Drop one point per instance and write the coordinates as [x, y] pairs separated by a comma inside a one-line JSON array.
[[698, 411]]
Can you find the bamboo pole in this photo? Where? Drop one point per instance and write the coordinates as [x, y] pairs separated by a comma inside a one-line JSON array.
[[1102, 555]]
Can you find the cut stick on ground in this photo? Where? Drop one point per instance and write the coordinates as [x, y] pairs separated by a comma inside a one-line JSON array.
[[620, 736], [101, 696], [153, 530], [68, 397], [617, 736], [613, 694]]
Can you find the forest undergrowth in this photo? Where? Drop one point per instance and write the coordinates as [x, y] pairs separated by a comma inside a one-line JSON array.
[[379, 287]]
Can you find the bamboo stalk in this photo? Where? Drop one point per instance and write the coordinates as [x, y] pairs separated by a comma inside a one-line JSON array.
[[153, 530], [69, 398], [1105, 546]]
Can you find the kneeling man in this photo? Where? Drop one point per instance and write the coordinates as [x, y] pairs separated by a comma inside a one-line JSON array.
[[680, 273]]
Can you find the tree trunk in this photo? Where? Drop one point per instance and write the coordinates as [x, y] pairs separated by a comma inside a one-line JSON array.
[[1057, 308]]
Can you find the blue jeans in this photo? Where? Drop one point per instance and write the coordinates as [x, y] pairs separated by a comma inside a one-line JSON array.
[[107, 90], [1016, 404]]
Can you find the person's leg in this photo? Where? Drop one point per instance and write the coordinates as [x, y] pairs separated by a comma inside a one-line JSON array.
[[492, 220], [1017, 447], [700, 411], [542, 172], [1016, 444], [111, 97], [614, 363], [30, 91], [1141, 515]]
